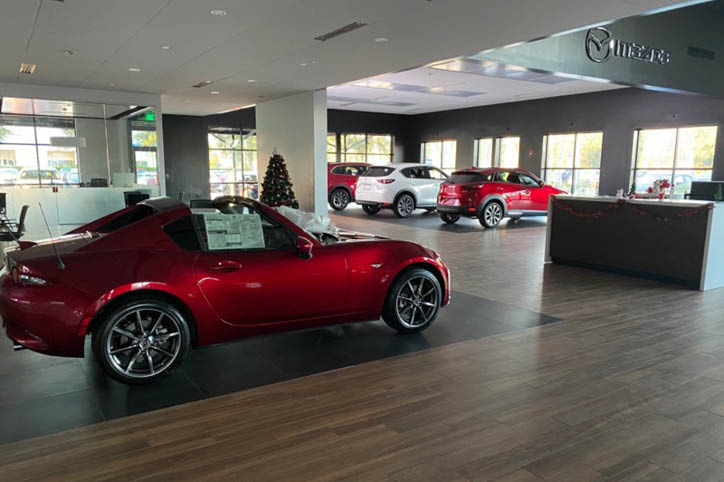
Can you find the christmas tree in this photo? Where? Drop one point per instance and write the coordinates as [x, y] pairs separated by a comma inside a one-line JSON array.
[[277, 188]]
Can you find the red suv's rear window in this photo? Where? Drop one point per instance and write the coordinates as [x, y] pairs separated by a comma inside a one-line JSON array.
[[462, 177]]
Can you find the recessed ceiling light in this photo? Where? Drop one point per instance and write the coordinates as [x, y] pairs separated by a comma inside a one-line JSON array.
[[251, 81], [70, 52], [381, 40], [111, 84], [303, 64], [215, 92], [134, 69], [187, 102], [437, 89], [27, 68], [166, 47], [218, 13]]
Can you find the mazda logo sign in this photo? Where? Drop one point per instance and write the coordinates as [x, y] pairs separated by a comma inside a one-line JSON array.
[[601, 45], [598, 44]]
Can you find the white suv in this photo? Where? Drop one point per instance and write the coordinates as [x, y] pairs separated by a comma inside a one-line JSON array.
[[402, 186]]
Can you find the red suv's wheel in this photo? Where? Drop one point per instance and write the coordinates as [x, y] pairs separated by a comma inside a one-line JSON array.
[[491, 215]]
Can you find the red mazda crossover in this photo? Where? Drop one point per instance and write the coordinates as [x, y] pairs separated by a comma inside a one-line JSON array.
[[492, 194], [152, 280], [342, 182]]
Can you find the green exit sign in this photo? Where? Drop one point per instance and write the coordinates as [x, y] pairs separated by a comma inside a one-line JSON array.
[[150, 116]]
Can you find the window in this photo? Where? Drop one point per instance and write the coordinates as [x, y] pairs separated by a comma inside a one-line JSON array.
[[498, 152], [572, 162], [372, 148], [233, 167], [332, 151], [349, 170], [378, 171], [144, 142], [680, 155], [464, 177], [434, 173], [27, 153], [440, 154]]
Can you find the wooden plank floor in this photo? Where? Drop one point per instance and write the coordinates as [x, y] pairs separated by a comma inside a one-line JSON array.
[[630, 387]]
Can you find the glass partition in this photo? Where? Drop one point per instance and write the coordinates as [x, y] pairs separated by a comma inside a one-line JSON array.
[[66, 143]]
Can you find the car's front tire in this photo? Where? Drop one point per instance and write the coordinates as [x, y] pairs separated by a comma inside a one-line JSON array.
[[371, 209], [413, 301], [450, 218], [404, 205], [141, 341], [491, 215], [339, 199]]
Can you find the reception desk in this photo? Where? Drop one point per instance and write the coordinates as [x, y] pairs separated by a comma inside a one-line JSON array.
[[678, 241], [67, 207]]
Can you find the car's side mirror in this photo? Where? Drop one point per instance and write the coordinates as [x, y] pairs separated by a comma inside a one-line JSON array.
[[304, 247], [541, 182]]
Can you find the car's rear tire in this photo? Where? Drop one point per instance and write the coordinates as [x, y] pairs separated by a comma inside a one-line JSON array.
[[413, 301], [404, 205], [371, 209], [491, 215], [141, 341], [450, 218], [339, 199]]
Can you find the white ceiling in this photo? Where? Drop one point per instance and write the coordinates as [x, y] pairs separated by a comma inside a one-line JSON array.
[[428, 89], [264, 40]]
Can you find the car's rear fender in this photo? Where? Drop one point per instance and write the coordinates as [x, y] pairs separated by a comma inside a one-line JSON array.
[[492, 197]]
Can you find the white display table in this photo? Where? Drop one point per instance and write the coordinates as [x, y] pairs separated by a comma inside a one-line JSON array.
[[672, 240]]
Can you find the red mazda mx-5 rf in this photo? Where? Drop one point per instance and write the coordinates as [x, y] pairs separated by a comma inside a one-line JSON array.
[[150, 281], [490, 194]]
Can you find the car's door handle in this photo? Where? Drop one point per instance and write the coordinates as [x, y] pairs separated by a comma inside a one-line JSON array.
[[226, 265]]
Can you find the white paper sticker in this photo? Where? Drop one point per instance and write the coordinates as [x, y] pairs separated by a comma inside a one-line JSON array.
[[233, 231]]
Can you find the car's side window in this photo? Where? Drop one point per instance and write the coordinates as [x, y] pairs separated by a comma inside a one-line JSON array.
[[338, 170], [527, 180], [410, 172], [232, 231], [509, 176]]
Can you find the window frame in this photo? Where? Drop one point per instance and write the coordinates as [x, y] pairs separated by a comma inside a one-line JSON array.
[[37, 145], [243, 133], [342, 147], [423, 156], [674, 168], [544, 164], [496, 149]]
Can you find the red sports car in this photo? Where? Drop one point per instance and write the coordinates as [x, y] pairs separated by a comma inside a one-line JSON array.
[[342, 182], [492, 194], [150, 281]]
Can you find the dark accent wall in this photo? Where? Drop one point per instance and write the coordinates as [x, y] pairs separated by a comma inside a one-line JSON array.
[[186, 148], [617, 113]]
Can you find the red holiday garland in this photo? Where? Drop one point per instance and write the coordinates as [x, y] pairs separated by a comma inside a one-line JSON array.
[[637, 209]]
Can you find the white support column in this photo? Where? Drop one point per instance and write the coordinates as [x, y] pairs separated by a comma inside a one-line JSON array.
[[297, 127]]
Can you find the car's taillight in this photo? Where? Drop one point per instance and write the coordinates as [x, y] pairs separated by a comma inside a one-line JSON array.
[[385, 181], [25, 279], [472, 186]]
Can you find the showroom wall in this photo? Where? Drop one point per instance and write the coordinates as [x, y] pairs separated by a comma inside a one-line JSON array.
[[617, 113], [186, 148]]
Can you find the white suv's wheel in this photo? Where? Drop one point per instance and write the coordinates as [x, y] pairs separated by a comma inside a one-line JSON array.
[[404, 205]]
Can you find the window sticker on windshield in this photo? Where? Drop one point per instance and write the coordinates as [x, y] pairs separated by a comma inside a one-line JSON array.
[[233, 231]]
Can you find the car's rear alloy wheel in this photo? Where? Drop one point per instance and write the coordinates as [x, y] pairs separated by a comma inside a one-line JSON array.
[[404, 205], [450, 218], [340, 199], [413, 301], [371, 209], [492, 214], [141, 341]]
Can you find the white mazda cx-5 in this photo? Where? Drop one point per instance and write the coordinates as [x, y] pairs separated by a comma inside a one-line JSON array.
[[402, 186]]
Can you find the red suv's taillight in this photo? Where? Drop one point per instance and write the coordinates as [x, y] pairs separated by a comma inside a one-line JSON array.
[[472, 186], [385, 181], [24, 279]]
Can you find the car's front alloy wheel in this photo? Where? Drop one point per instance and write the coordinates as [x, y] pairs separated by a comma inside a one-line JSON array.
[[492, 214], [404, 205], [141, 341], [340, 199], [413, 301]]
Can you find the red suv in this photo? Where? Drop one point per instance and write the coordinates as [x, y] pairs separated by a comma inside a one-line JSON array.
[[492, 194], [342, 182]]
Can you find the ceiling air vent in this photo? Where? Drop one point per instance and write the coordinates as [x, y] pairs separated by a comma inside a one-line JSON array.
[[203, 83], [27, 68], [340, 31]]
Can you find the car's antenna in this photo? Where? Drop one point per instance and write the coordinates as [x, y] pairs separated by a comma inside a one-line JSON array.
[[61, 265]]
